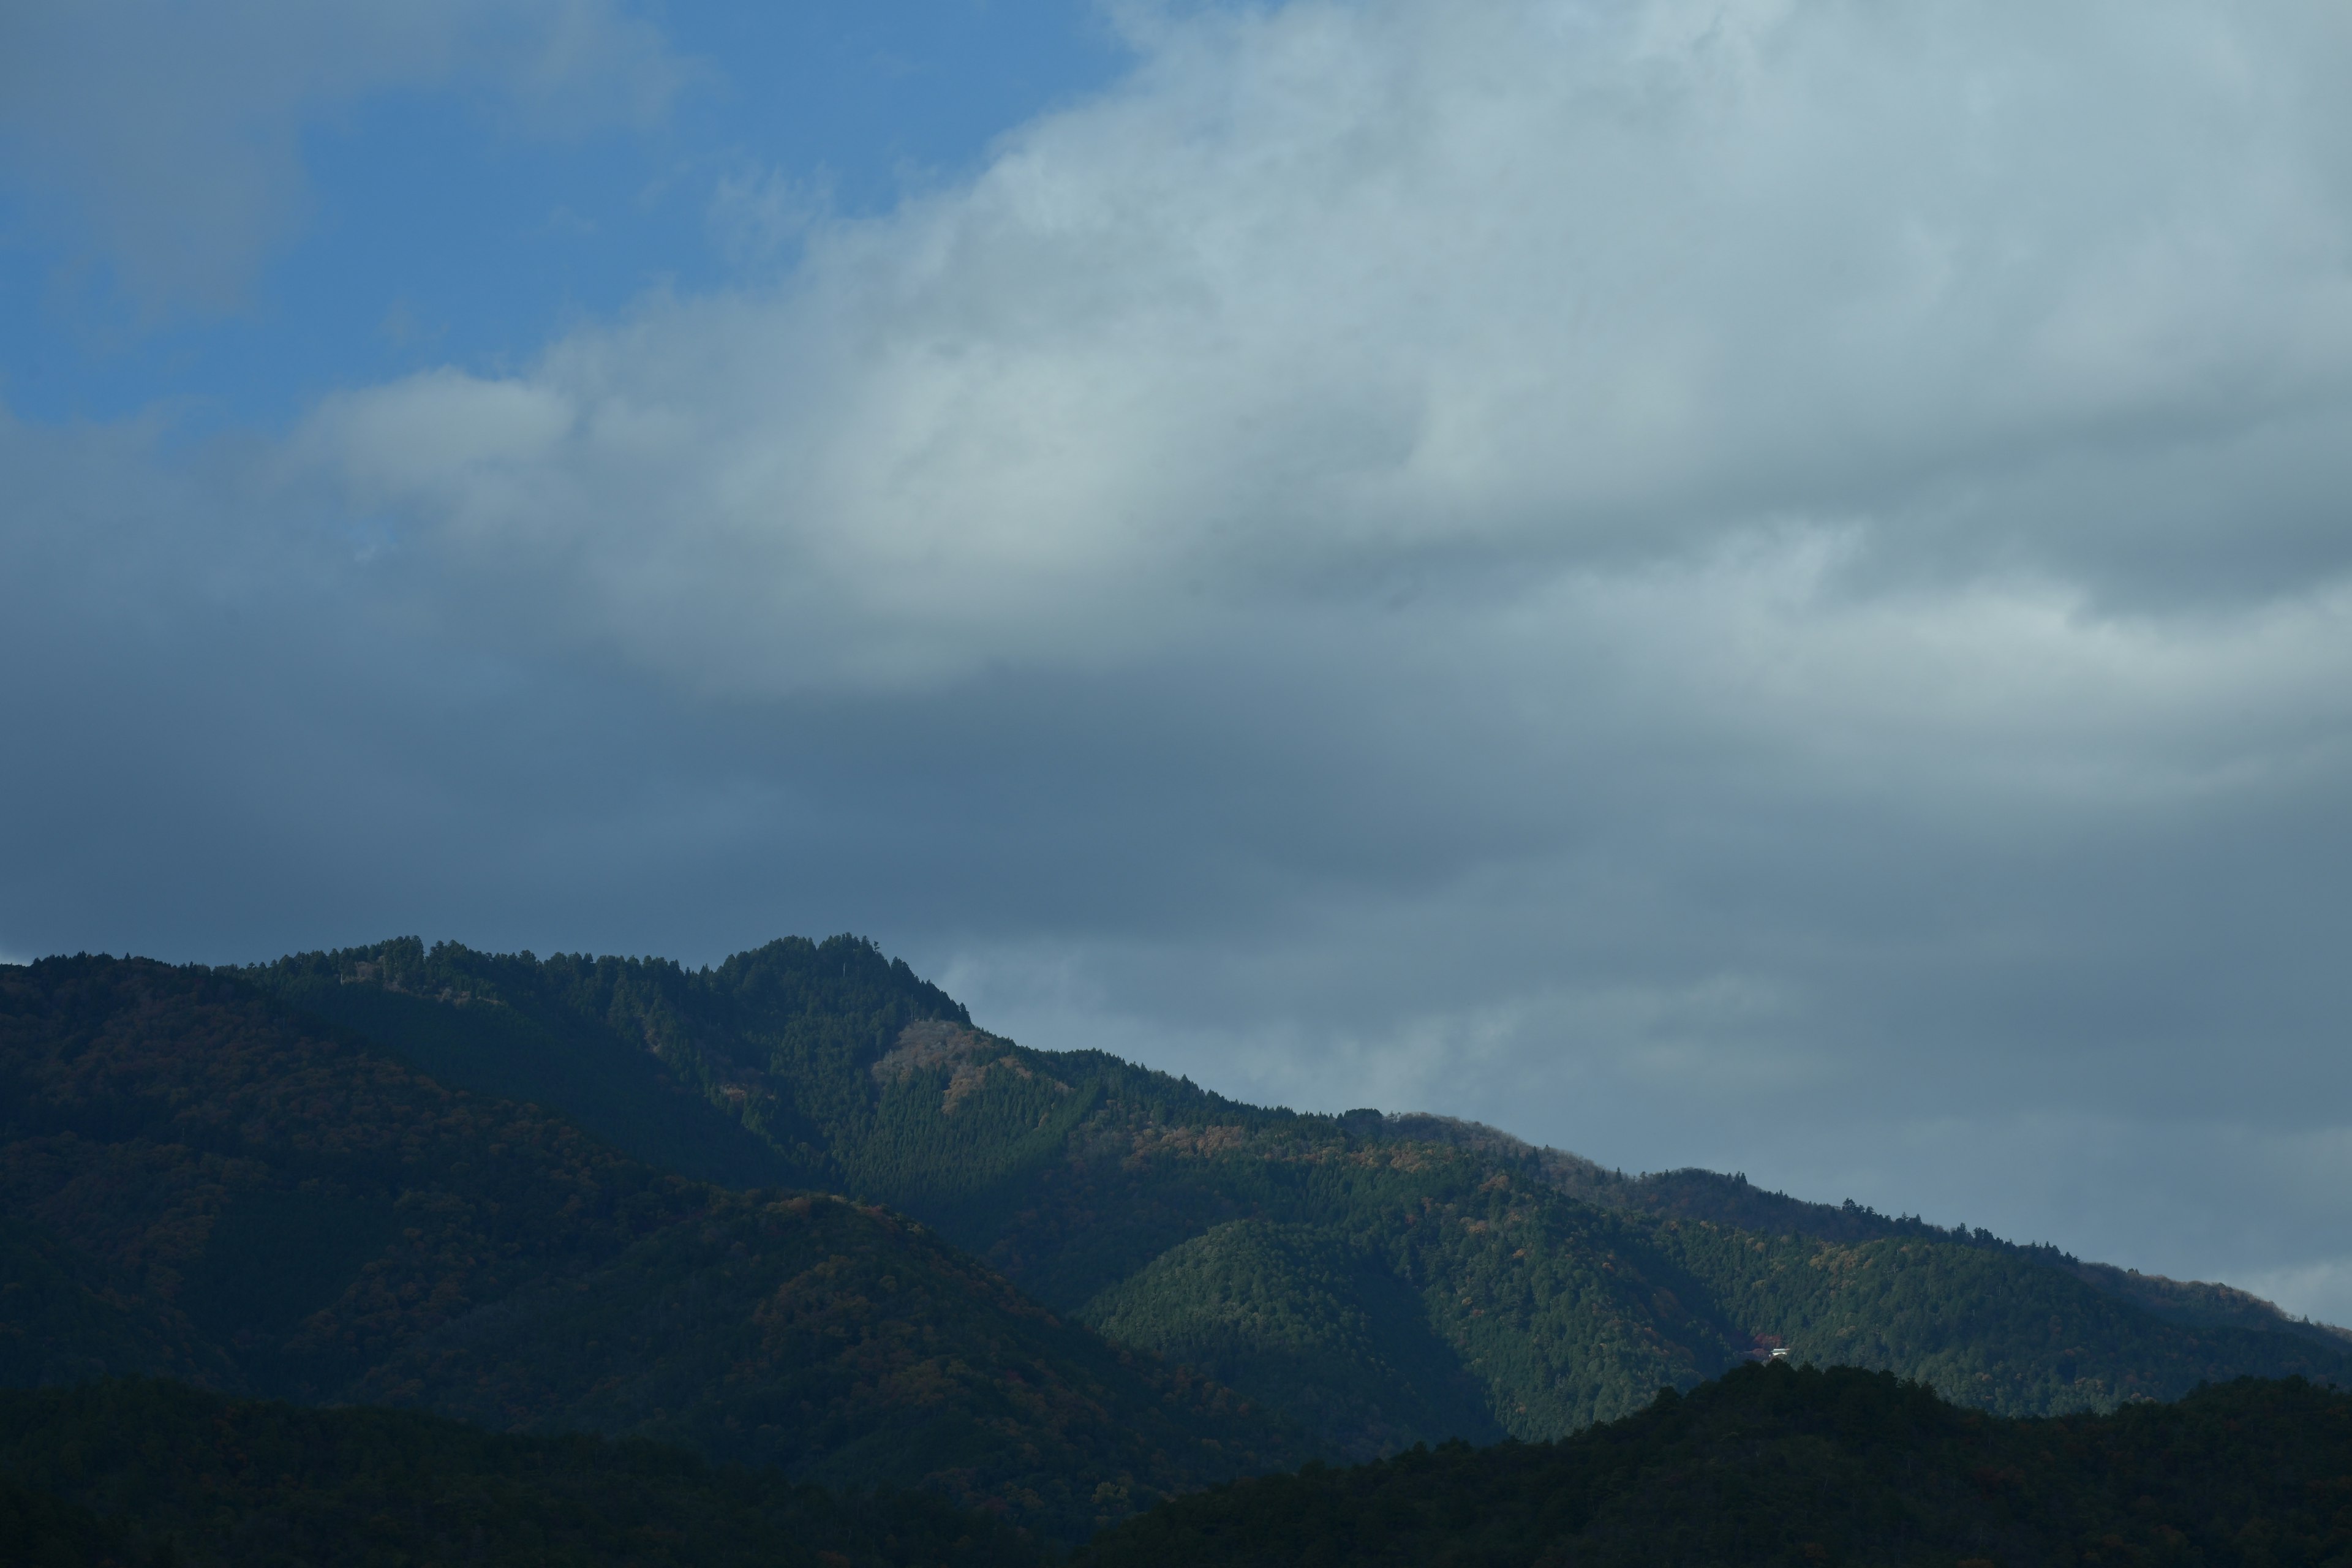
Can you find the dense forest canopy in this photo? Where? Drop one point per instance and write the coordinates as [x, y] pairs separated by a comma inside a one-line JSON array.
[[1779, 1465], [1771, 1465], [205, 1183], [136, 1470], [799, 1211], [1517, 1290]]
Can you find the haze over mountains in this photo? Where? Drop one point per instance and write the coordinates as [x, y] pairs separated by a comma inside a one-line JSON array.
[[800, 1211]]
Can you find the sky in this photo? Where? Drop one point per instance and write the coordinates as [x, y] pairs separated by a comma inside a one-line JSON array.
[[1764, 585]]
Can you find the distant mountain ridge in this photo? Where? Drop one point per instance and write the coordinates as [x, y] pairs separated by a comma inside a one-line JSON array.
[[201, 1184], [799, 1209], [1095, 1185]]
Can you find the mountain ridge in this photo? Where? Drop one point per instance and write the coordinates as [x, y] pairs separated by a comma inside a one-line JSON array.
[[333, 1227], [1070, 1172], [905, 1249]]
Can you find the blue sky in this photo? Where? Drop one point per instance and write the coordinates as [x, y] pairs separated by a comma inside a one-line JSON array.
[[1761, 585], [431, 226]]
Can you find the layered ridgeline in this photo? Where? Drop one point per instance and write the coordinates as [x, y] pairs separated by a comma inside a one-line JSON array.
[[201, 1183], [1777, 1465], [1376, 1281], [797, 1211]]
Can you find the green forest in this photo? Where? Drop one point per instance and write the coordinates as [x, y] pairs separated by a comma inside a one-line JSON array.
[[798, 1214]]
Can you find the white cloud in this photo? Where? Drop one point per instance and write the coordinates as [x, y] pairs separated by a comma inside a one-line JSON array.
[[166, 138], [1770, 553], [1343, 298], [1766, 581], [759, 216]]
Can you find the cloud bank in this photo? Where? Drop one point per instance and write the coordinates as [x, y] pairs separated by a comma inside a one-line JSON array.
[[1340, 300], [1757, 585]]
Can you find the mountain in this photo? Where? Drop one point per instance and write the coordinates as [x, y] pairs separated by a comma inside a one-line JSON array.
[[1072, 1173], [1780, 1465], [1377, 1280], [798, 1210], [139, 1471], [199, 1181]]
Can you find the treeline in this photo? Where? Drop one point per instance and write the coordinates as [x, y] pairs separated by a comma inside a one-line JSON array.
[[144, 1472], [1771, 1465], [766, 1048], [1797, 1466]]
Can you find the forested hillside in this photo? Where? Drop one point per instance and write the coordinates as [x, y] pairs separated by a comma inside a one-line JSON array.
[[199, 1183], [1731, 1201], [799, 1211], [1780, 1465], [751, 1073], [1378, 1279]]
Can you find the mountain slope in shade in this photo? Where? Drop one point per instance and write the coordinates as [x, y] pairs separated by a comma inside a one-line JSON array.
[[330, 1224], [1775, 1464], [44, 1532], [842, 1345], [127, 1471], [1071, 1173], [66, 1317], [603, 1083], [1560, 1292], [318, 1208], [748, 1074]]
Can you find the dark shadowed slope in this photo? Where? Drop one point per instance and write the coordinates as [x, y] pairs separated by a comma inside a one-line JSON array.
[[1379, 1279], [748, 1074], [1779, 1465], [241, 1192], [46, 1532], [65, 1318], [130, 1471], [275, 1205]]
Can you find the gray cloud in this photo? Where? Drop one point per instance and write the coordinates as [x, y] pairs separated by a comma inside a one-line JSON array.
[[1761, 584], [165, 139]]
